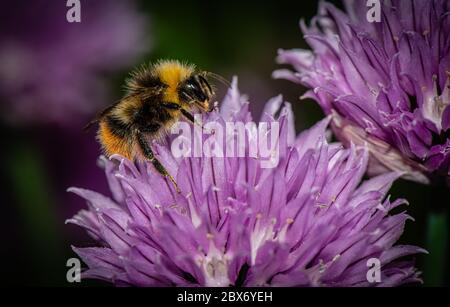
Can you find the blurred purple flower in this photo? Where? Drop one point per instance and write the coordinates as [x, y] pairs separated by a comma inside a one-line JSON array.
[[385, 83], [52, 69], [307, 222]]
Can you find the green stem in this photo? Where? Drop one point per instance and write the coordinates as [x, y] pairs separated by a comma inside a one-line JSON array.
[[30, 187], [437, 238]]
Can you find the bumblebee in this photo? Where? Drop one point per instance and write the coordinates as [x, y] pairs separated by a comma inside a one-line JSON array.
[[156, 97]]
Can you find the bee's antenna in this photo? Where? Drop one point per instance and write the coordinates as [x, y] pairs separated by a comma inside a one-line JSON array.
[[218, 78]]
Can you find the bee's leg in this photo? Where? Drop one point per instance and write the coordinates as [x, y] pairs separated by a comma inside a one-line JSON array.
[[186, 114], [172, 105], [148, 153], [190, 117]]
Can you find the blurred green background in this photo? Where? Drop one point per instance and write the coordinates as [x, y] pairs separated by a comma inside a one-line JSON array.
[[39, 161]]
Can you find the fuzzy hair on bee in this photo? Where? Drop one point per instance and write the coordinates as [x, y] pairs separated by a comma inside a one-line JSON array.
[[156, 96]]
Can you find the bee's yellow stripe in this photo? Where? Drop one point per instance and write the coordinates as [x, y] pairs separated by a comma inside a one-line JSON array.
[[112, 144], [172, 73]]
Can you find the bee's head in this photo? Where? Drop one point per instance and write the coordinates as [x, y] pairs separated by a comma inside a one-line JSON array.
[[196, 90]]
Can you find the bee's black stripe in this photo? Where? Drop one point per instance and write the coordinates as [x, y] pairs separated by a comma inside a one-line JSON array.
[[151, 117], [149, 81], [118, 127]]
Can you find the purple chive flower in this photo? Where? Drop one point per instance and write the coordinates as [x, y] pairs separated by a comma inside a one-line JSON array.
[[384, 83], [52, 69], [310, 221]]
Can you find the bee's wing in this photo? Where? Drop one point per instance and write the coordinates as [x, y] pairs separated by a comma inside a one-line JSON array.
[[101, 114]]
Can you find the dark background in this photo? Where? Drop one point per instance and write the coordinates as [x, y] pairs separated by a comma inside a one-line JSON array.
[[40, 160]]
